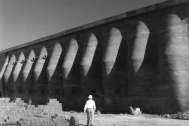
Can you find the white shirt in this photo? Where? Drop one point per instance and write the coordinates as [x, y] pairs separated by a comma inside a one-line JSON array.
[[90, 104]]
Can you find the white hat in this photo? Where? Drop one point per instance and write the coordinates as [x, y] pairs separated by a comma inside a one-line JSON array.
[[90, 96]]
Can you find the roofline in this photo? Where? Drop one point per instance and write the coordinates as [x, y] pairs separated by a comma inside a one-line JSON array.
[[150, 8]]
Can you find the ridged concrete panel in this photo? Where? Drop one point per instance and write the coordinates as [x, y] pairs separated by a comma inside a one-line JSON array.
[[139, 45], [69, 57], [88, 54], [17, 76], [54, 72], [28, 76], [174, 62], [40, 77], [111, 51]]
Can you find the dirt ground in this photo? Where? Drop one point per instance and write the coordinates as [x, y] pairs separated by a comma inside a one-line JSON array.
[[127, 120]]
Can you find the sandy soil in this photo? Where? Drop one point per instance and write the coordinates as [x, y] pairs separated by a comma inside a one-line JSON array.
[[127, 120]]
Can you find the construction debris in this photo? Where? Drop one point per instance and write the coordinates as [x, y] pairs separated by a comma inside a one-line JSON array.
[[20, 113]]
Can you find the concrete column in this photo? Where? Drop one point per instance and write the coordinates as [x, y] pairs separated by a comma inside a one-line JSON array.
[[8, 79], [53, 73], [1, 75], [40, 78], [17, 76], [70, 82], [89, 80]]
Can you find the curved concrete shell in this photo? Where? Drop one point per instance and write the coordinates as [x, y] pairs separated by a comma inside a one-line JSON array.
[[28, 77], [53, 73], [137, 51], [56, 52], [110, 71], [174, 63], [69, 85], [139, 45], [111, 50], [40, 77], [8, 80], [88, 54], [17, 76], [4, 67], [70, 57], [89, 83]]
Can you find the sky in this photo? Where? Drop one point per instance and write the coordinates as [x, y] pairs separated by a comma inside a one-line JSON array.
[[22, 21]]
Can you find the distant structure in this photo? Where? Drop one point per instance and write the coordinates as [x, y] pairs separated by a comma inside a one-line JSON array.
[[139, 58]]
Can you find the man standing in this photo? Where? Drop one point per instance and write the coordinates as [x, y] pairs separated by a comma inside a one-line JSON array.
[[90, 107]]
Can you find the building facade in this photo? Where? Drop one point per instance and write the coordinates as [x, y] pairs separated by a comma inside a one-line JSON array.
[[139, 58]]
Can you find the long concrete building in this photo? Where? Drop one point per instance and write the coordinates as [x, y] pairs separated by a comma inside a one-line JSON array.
[[139, 58]]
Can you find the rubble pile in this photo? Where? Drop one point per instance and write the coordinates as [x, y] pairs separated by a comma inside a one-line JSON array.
[[20, 113], [180, 115]]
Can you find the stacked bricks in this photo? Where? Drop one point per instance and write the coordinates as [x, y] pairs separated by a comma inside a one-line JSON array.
[[19, 113]]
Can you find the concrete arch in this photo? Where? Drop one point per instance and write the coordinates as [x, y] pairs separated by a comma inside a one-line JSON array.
[[9, 68], [53, 72], [111, 50], [69, 57], [139, 45], [28, 76], [18, 66], [40, 78], [29, 63], [90, 82], [17, 76], [2, 73], [8, 80], [40, 63], [4, 66], [69, 79], [56, 52], [88, 54]]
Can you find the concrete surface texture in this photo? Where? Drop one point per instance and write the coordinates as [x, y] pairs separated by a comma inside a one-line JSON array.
[[139, 59]]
